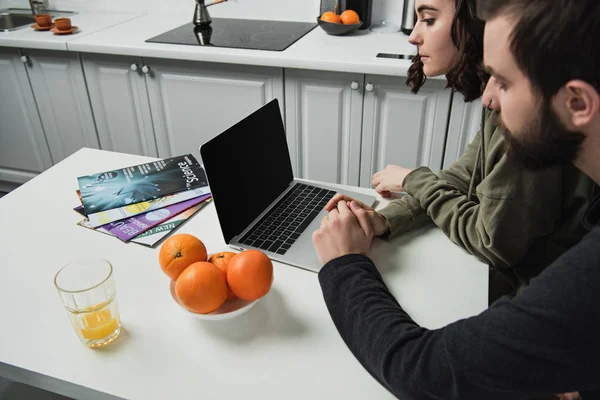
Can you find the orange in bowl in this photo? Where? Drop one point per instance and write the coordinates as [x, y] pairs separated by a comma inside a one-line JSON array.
[[221, 260], [250, 274], [201, 288], [330, 16], [180, 251], [350, 17]]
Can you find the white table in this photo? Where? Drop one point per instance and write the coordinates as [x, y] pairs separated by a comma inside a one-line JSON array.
[[284, 348]]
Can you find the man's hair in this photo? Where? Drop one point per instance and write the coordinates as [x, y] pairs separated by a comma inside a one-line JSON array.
[[467, 75], [553, 41]]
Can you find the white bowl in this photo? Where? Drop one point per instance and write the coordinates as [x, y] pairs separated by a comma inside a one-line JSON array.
[[229, 309]]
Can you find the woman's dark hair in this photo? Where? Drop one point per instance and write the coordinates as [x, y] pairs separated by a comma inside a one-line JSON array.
[[467, 75]]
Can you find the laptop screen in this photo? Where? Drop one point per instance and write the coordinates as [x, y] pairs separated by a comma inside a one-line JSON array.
[[248, 166]]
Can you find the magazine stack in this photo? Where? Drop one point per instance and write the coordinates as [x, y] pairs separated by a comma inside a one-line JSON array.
[[143, 203]]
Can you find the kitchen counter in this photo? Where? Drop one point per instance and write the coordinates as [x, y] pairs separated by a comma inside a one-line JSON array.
[[87, 22], [126, 34], [316, 50]]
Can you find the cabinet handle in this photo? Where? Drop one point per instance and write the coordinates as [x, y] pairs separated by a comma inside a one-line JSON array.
[[145, 69], [25, 59], [369, 87], [354, 85], [134, 67]]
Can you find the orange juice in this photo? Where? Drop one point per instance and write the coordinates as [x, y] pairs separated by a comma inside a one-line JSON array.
[[99, 325]]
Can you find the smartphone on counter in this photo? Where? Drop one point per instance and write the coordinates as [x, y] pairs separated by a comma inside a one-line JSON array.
[[395, 56]]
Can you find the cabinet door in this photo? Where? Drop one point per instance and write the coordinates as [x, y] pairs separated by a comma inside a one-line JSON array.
[[402, 128], [192, 102], [324, 117], [119, 100], [23, 148], [62, 99], [465, 122]]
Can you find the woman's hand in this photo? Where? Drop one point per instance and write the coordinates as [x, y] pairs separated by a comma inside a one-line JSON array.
[[390, 180]]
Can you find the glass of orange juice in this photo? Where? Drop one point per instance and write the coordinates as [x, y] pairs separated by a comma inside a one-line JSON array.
[[88, 292]]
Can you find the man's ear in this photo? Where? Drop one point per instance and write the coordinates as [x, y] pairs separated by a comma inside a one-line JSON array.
[[582, 103]]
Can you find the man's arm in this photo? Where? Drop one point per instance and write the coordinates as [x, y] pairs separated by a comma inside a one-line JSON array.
[[543, 342]]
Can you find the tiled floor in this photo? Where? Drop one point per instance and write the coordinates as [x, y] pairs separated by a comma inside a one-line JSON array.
[[17, 391]]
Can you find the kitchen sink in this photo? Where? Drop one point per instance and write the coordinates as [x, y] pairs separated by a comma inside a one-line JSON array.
[[16, 18]]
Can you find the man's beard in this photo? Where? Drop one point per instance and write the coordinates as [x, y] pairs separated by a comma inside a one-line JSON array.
[[543, 143]]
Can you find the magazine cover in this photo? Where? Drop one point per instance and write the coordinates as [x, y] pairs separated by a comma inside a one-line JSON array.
[[123, 187], [117, 214], [129, 228], [154, 235]]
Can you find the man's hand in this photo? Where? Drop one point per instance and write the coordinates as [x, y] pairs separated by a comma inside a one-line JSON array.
[[390, 180], [343, 231], [378, 222]]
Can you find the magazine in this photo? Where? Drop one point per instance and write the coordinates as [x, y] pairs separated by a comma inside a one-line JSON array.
[[154, 235], [117, 214], [129, 228], [139, 183]]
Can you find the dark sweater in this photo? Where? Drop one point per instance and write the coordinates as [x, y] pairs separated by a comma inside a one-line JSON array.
[[542, 342]]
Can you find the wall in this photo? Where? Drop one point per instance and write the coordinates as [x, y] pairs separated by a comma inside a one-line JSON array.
[[297, 10]]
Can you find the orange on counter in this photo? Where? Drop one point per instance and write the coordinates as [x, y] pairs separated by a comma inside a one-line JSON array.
[[201, 288], [221, 260], [330, 16], [250, 274], [180, 251], [349, 17]]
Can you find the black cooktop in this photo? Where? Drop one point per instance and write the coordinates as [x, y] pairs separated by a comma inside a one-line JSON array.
[[238, 33]]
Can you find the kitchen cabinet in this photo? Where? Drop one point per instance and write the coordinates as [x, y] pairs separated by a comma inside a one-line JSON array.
[[192, 102], [24, 151], [344, 127], [464, 123], [62, 99], [119, 98], [324, 124], [402, 128], [163, 108]]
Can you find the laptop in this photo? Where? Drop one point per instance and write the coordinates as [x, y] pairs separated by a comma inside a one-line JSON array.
[[258, 202]]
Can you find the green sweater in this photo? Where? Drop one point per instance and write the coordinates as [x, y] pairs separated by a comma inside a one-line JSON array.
[[512, 218]]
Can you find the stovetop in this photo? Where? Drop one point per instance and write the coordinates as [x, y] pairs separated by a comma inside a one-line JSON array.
[[238, 33]]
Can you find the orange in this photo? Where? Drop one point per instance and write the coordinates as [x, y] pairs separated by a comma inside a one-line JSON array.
[[250, 274], [201, 288], [330, 16], [350, 17], [180, 251], [221, 260]]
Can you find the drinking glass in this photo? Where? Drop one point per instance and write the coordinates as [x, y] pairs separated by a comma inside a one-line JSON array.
[[88, 292]]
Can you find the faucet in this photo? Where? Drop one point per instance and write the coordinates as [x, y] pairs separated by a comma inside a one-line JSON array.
[[38, 6], [201, 15]]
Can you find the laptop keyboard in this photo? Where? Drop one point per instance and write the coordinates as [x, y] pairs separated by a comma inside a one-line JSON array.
[[279, 229]]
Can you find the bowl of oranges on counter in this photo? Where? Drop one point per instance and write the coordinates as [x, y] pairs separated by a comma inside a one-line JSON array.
[[216, 287], [343, 24]]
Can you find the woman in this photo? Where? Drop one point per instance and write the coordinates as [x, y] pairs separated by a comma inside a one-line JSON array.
[[517, 221]]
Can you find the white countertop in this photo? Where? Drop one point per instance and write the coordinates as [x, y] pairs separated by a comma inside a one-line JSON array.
[[87, 22], [126, 34], [316, 50], [286, 347]]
